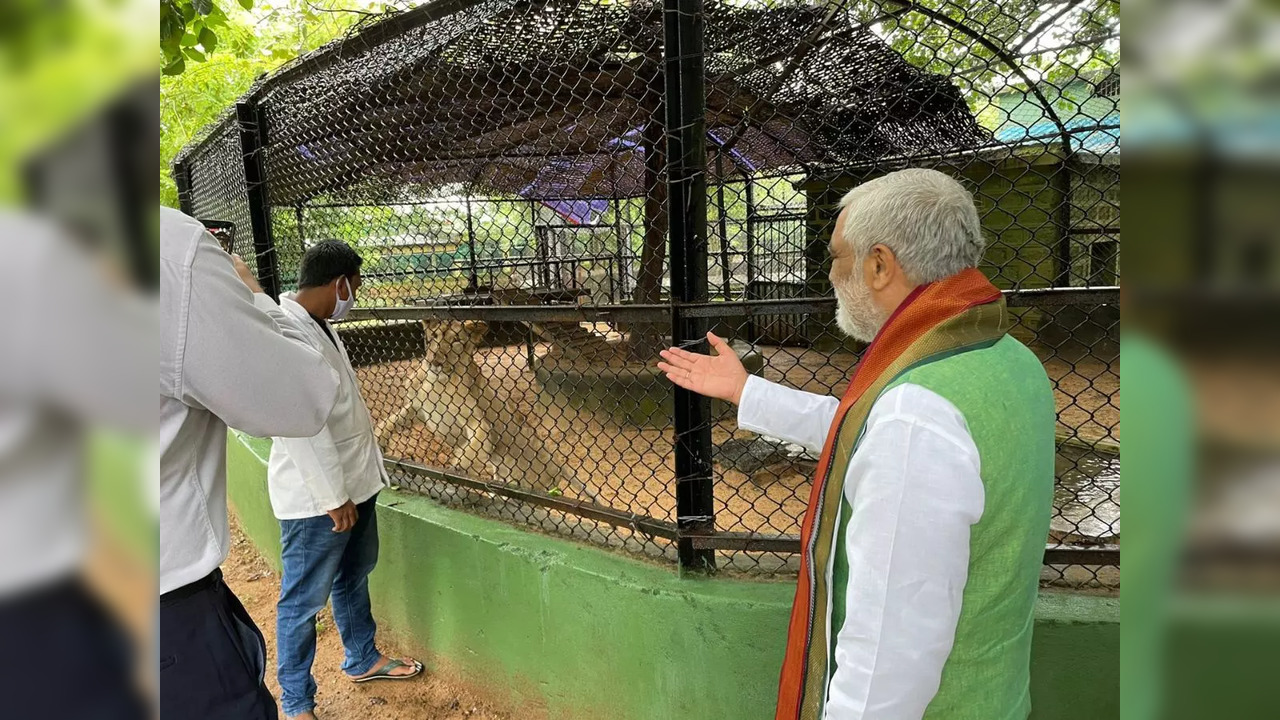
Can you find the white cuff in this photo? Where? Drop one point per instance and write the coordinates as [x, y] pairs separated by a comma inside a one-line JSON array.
[[753, 411]]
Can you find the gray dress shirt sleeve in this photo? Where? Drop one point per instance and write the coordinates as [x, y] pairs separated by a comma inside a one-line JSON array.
[[256, 374]]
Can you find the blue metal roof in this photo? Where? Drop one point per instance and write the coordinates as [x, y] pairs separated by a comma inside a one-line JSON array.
[[1093, 135]]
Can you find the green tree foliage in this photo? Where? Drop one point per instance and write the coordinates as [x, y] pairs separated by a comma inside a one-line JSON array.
[[218, 54], [189, 31], [59, 62], [978, 43]]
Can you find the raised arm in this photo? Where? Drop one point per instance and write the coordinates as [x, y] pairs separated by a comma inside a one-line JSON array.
[[800, 417], [241, 364], [765, 407]]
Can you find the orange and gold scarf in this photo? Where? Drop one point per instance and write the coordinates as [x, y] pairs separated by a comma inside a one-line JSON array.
[[937, 320]]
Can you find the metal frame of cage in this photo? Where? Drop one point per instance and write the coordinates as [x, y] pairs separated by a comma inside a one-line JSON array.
[[687, 308]]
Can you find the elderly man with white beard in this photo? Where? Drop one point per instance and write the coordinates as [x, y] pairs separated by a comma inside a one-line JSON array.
[[926, 525]]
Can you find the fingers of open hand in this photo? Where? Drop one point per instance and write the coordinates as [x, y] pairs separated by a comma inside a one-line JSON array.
[[721, 347], [681, 358], [674, 372], [680, 376], [718, 343]]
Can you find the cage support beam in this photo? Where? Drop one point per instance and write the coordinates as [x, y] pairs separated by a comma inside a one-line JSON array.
[[726, 275], [182, 178], [473, 278], [1030, 298], [620, 269], [687, 228], [252, 121], [1062, 221], [300, 220], [1054, 554], [639, 523]]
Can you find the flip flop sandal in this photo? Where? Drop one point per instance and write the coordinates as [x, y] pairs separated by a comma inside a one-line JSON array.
[[383, 673]]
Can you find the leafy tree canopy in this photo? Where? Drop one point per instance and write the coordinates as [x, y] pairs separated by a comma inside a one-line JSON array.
[[212, 53], [189, 31]]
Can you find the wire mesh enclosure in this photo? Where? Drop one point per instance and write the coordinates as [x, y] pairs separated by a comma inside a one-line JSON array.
[[546, 193]]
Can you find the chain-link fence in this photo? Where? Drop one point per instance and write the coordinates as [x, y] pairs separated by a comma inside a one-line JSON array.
[[546, 193]]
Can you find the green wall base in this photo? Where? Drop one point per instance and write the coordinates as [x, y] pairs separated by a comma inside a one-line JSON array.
[[578, 632]]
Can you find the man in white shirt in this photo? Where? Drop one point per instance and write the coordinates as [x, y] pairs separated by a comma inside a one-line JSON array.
[[324, 490], [926, 527], [224, 361]]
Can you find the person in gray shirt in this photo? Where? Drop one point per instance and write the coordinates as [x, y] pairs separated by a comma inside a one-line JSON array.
[[224, 361], [75, 348]]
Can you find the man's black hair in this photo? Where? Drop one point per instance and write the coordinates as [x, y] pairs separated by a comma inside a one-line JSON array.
[[327, 261]]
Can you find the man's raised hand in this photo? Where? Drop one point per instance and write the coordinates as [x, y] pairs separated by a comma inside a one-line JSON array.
[[246, 275], [720, 376]]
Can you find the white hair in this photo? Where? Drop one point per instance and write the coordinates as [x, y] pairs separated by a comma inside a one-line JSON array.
[[925, 217]]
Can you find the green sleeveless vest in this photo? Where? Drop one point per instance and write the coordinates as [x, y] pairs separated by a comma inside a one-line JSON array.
[[1005, 397]]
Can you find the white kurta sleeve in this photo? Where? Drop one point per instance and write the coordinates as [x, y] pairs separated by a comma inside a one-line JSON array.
[[784, 413], [238, 363], [915, 489]]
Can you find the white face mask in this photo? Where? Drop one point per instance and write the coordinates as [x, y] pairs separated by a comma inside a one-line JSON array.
[[341, 309]]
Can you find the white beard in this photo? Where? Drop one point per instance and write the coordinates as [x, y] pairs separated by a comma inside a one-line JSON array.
[[856, 314]]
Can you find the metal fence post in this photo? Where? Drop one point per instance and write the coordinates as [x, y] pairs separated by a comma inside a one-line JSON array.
[[619, 276], [473, 279], [687, 228], [1062, 222], [753, 334], [252, 122], [182, 178], [302, 232], [726, 274]]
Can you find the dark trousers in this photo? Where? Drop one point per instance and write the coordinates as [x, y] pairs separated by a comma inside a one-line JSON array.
[[212, 656], [65, 658]]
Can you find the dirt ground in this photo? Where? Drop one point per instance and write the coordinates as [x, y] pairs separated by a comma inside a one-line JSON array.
[[629, 467], [125, 582], [1237, 400], [426, 697], [1087, 391]]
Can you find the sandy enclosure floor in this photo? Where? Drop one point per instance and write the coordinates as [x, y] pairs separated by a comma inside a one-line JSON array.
[[427, 697], [630, 467], [1237, 400]]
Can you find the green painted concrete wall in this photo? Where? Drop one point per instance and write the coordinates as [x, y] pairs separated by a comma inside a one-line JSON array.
[[577, 632], [117, 477]]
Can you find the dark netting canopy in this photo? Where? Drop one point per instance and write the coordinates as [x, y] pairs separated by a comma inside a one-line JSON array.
[[563, 100]]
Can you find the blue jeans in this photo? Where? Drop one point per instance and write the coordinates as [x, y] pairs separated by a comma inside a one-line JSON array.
[[318, 564]]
